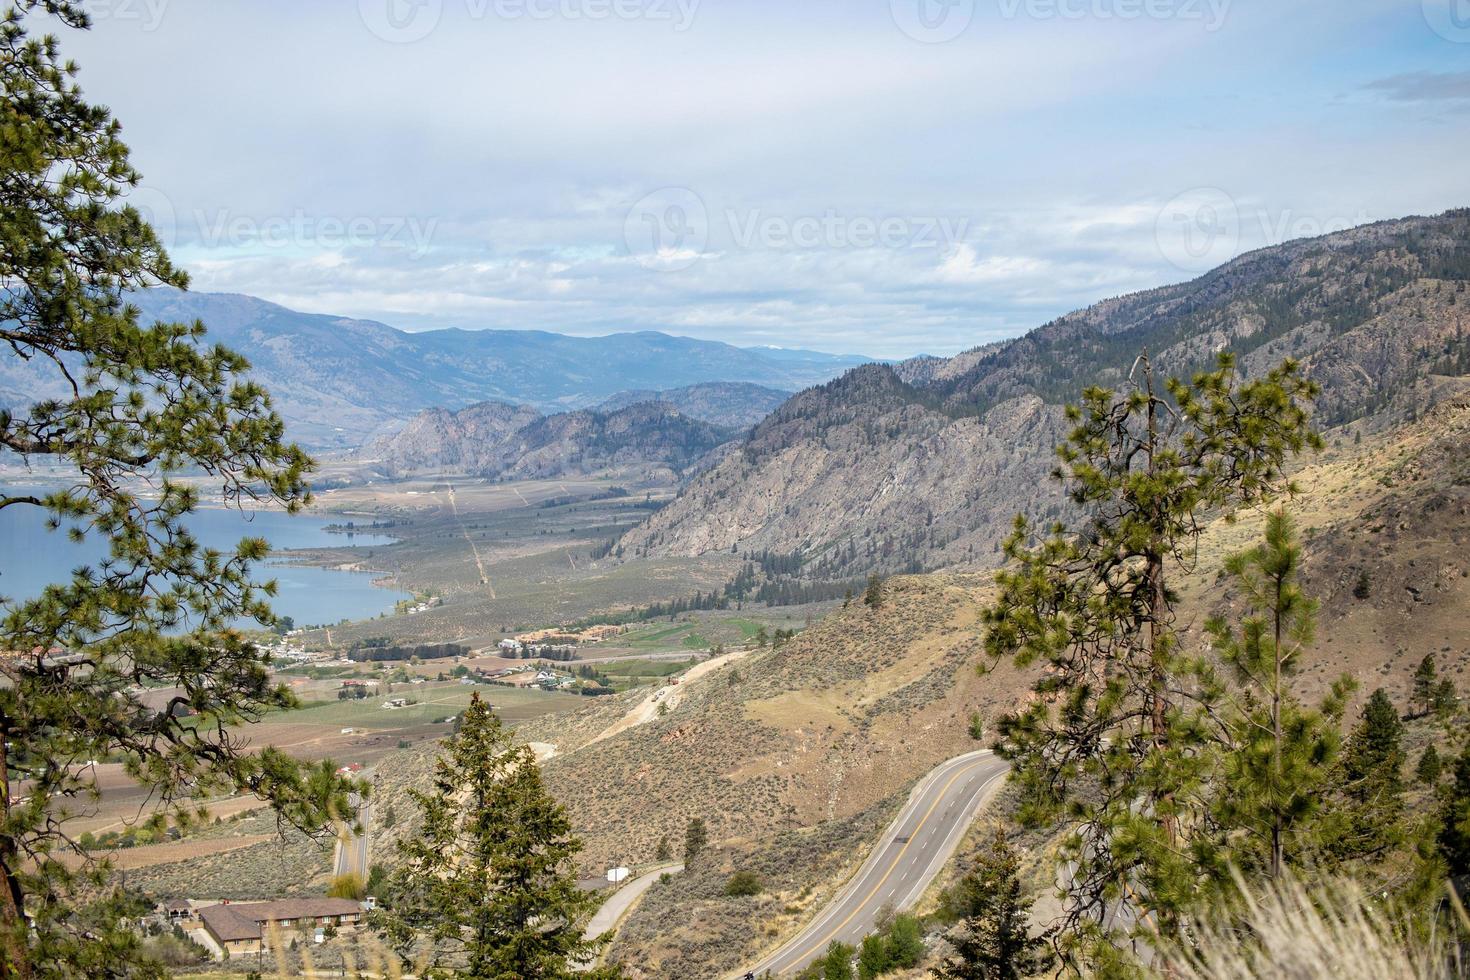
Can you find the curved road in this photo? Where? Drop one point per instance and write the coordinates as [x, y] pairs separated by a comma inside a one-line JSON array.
[[908, 856]]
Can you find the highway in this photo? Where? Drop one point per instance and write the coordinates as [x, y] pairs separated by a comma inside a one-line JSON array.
[[906, 859]]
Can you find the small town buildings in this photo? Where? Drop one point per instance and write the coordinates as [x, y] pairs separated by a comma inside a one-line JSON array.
[[245, 928]]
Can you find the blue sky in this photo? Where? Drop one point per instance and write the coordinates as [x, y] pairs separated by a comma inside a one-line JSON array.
[[878, 176]]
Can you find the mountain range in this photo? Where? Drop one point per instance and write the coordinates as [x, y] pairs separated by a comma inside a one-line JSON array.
[[339, 382], [922, 464], [648, 440]]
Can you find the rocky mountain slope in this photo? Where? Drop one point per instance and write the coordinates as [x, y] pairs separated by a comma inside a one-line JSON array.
[[738, 405], [339, 382], [500, 441], [922, 465]]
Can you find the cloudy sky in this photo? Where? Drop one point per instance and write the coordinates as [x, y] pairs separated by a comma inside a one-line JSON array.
[[884, 177]]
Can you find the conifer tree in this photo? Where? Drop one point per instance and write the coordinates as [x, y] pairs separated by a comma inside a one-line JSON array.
[[1372, 781], [696, 837], [1429, 768], [1454, 819], [1112, 745], [140, 404], [1277, 754], [1445, 699], [992, 940], [1426, 680], [873, 594], [488, 890]]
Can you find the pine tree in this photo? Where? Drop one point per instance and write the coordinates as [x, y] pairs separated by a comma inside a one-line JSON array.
[[1445, 698], [489, 880], [140, 405], [1372, 780], [1429, 768], [1426, 679], [993, 940], [1096, 606], [696, 837], [873, 594], [1454, 819], [1277, 753]]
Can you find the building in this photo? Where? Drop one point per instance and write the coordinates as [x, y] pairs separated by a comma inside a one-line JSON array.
[[242, 929]]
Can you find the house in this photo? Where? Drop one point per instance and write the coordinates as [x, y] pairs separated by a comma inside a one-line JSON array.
[[249, 927], [510, 648], [176, 911], [396, 703], [351, 769]]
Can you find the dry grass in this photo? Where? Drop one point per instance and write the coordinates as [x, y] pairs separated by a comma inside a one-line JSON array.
[[1296, 932]]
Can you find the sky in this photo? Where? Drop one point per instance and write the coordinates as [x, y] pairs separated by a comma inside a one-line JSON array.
[[884, 177]]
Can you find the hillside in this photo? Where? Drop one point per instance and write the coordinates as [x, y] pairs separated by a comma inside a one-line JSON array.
[[728, 403], [500, 441], [339, 382], [798, 757], [921, 465]]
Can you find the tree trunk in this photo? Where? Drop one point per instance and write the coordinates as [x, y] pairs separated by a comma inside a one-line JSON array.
[[14, 956]]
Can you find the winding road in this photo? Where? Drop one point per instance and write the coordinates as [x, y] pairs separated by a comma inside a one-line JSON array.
[[907, 858]]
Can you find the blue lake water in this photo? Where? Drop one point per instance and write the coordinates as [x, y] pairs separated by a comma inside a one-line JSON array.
[[32, 557]]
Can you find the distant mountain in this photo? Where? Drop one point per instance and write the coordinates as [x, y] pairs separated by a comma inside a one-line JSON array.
[[923, 464], [735, 404], [340, 382], [647, 440]]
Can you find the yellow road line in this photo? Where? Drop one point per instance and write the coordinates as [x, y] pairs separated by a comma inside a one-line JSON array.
[[898, 860]]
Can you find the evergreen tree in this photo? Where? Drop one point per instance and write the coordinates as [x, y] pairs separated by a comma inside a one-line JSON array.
[[140, 405], [489, 882], [1445, 699], [663, 853], [696, 837], [1429, 768], [1372, 779], [873, 594], [1454, 819], [1426, 679], [1277, 754], [1097, 607], [837, 965], [993, 940]]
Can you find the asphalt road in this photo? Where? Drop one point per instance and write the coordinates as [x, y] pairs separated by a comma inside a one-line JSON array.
[[612, 911], [915, 846]]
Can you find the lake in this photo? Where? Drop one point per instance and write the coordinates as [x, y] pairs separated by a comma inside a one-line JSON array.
[[31, 557]]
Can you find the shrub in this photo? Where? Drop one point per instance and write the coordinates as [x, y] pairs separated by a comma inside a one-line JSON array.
[[743, 884], [349, 885]]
